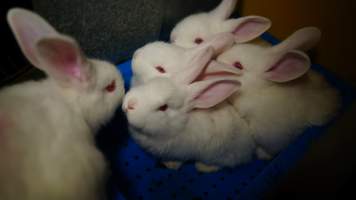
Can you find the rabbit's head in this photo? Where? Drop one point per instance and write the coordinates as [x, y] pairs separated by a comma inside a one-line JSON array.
[[160, 59], [92, 88], [157, 59], [281, 63], [161, 106], [199, 28]]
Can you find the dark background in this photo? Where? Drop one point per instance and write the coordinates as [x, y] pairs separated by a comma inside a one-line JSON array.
[[113, 29]]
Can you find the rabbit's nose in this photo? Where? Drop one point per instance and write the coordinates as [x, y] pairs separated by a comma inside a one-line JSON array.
[[131, 105]]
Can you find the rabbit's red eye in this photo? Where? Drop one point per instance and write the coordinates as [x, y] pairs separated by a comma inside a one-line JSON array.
[[111, 87], [238, 65], [160, 69], [163, 108], [198, 40]]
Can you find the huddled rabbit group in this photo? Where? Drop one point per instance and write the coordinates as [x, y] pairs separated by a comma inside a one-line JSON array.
[[215, 97], [211, 95]]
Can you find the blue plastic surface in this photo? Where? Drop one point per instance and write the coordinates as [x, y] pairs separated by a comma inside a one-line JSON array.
[[137, 175]]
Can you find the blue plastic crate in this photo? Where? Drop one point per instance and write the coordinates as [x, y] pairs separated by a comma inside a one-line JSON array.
[[138, 175]]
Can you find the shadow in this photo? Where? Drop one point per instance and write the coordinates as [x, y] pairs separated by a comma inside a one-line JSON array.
[[110, 139]]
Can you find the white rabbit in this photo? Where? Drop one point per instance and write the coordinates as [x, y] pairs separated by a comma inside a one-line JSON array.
[[178, 120], [279, 95], [47, 148], [164, 59], [198, 28]]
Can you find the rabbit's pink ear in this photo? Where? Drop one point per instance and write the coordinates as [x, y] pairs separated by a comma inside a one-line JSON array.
[[303, 39], [247, 28], [224, 9], [28, 28], [208, 93], [198, 61], [219, 70], [219, 42], [287, 67], [62, 59]]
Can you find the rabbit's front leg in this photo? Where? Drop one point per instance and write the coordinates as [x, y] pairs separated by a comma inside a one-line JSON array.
[[175, 165], [201, 167]]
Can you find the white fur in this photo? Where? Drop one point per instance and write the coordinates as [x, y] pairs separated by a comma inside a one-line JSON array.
[[278, 112], [206, 25], [215, 136], [171, 58], [153, 55], [47, 132]]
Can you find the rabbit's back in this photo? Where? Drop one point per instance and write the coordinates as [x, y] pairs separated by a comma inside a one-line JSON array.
[[279, 112], [227, 140], [325, 100], [47, 151]]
